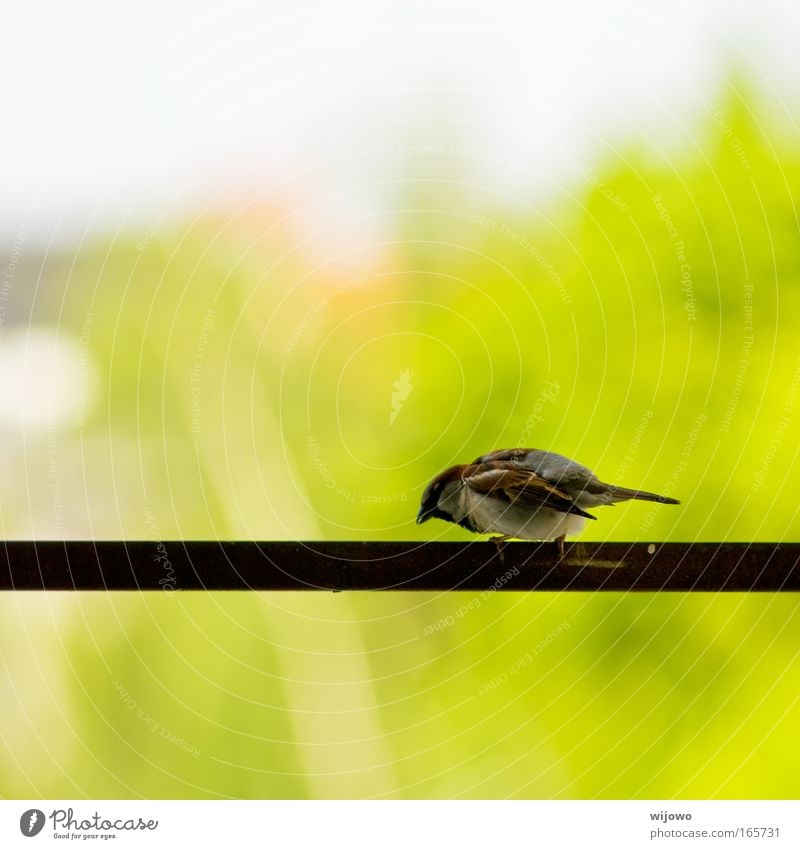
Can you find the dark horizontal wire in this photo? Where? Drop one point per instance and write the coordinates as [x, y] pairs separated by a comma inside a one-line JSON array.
[[169, 566]]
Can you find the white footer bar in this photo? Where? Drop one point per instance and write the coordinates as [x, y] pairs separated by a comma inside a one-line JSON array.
[[410, 824]]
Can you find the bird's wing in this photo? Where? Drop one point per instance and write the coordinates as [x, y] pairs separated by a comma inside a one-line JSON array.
[[503, 455], [521, 487]]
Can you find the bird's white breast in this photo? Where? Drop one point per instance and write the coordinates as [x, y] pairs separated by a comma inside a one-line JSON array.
[[492, 515]]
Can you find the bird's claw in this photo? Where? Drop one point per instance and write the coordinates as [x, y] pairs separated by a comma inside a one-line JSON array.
[[498, 542]]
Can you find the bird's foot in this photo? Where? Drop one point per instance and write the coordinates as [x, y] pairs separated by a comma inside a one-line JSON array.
[[580, 551], [560, 541], [498, 542]]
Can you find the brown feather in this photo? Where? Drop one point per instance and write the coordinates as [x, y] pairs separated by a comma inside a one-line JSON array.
[[517, 486]]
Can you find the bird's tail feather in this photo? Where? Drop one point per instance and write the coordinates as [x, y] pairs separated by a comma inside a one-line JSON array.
[[621, 493]]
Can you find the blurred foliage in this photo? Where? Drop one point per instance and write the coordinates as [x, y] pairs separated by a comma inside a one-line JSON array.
[[642, 320]]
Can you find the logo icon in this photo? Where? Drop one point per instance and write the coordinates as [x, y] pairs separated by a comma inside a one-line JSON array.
[[31, 822], [402, 389]]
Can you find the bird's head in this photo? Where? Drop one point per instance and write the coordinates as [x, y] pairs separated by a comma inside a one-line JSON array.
[[438, 500]]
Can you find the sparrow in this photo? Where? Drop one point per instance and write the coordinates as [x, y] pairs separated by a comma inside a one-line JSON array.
[[522, 493]]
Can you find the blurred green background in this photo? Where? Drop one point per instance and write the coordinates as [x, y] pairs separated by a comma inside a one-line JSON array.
[[229, 379]]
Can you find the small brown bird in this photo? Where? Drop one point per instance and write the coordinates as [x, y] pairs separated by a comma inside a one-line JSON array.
[[522, 493]]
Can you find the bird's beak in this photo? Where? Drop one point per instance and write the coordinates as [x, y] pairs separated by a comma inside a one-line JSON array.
[[423, 515]]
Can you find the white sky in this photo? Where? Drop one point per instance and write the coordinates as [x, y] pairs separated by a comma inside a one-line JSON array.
[[112, 114]]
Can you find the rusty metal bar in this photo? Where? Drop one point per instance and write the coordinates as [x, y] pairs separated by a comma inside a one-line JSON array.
[[213, 565]]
